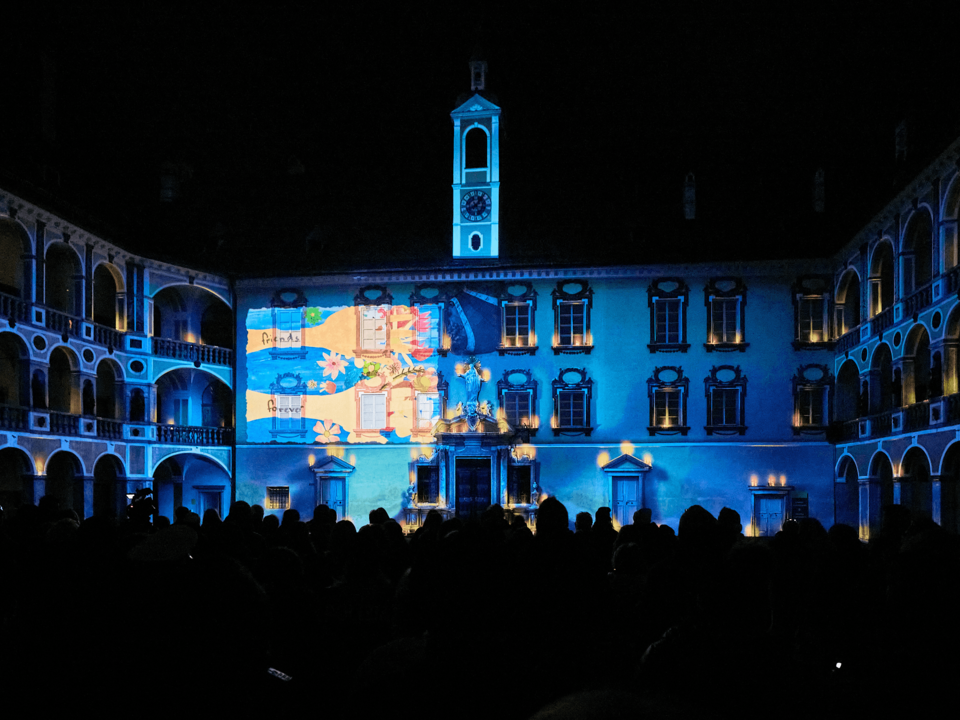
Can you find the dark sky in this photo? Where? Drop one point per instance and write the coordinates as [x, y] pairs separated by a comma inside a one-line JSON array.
[[604, 113]]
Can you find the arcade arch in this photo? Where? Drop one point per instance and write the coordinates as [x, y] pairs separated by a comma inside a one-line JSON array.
[[64, 279], [915, 485], [848, 302], [881, 278]]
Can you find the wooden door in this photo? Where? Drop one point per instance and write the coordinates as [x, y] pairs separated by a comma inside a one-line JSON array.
[[332, 495], [473, 488], [626, 498], [769, 515]]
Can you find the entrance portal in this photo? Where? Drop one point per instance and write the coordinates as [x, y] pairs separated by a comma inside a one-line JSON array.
[[473, 487]]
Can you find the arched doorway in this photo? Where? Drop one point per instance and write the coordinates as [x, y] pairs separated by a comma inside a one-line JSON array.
[[14, 245], [915, 486], [848, 302], [13, 370], [16, 475], [881, 279], [64, 386], [881, 380], [107, 281], [882, 470], [193, 481], [917, 254], [950, 490], [64, 481], [64, 280], [109, 487], [916, 365], [847, 392], [846, 493], [107, 379]]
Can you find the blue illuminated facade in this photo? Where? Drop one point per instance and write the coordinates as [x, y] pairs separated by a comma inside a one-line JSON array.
[[819, 388]]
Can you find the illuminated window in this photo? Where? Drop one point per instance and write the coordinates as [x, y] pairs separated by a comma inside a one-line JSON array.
[[518, 304], [278, 498], [667, 390], [286, 402], [811, 298], [518, 484], [373, 411], [812, 389], [518, 399], [668, 321], [571, 301], [288, 333], [572, 392], [726, 390], [725, 299], [429, 302], [373, 304], [428, 410], [428, 484]]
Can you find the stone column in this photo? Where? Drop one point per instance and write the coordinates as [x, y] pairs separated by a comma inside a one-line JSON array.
[[935, 495], [83, 496]]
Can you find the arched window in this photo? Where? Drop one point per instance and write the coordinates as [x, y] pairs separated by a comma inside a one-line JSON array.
[[847, 308], [916, 364], [917, 255], [13, 245], [475, 149], [847, 392], [64, 280], [881, 279], [881, 380], [104, 297]]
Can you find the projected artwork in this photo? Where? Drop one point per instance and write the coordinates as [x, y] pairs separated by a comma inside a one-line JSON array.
[[358, 374]]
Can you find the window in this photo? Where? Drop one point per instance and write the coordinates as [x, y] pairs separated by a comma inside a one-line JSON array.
[[181, 411], [572, 392], [373, 320], [287, 310], [278, 498], [667, 390], [518, 400], [811, 299], [726, 390], [668, 321], [286, 402], [725, 299], [373, 411], [518, 305], [429, 302], [428, 410], [812, 389], [518, 485], [430, 403], [428, 484], [571, 301]]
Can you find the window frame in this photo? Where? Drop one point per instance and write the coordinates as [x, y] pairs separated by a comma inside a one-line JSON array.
[[288, 385], [659, 387], [271, 503], [737, 384], [660, 296], [527, 387], [420, 433], [807, 289], [438, 303], [378, 298], [287, 301], [581, 387], [528, 299], [715, 295], [582, 298], [812, 378]]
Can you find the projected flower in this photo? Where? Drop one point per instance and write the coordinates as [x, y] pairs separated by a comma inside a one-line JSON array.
[[328, 431], [333, 364], [312, 315], [312, 384], [330, 387], [370, 369], [425, 380]]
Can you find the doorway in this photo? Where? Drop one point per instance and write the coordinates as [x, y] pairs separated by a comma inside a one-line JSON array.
[[473, 487]]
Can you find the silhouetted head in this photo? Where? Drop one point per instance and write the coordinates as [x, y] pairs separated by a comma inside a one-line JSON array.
[[552, 517], [729, 519], [290, 518], [583, 522], [643, 516]]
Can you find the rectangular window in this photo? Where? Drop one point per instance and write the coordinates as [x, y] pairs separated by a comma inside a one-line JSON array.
[[428, 410], [516, 325], [278, 498], [518, 485], [288, 412], [571, 409], [181, 411], [724, 406], [668, 321], [373, 411], [289, 328], [570, 321], [811, 310], [810, 410], [428, 484], [666, 408], [516, 407], [724, 318], [429, 320], [373, 327]]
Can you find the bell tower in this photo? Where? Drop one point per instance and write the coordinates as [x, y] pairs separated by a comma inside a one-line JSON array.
[[476, 171]]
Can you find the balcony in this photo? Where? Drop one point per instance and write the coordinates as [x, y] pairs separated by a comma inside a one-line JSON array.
[[13, 308], [64, 424], [13, 418], [916, 416], [191, 352], [921, 299], [848, 340], [881, 321], [192, 435]]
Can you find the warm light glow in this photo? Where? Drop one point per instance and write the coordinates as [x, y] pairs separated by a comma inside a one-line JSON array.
[[603, 457], [39, 463], [626, 447], [748, 529], [533, 338], [311, 459], [648, 458], [353, 460], [554, 422], [754, 480], [783, 480], [413, 477], [334, 451], [190, 338], [485, 374], [543, 496], [771, 480], [445, 343], [461, 368], [616, 525]]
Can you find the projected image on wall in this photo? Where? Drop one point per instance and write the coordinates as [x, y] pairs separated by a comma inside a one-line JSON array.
[[359, 374]]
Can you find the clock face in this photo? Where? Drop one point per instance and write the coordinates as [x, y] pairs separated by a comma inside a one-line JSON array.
[[475, 205]]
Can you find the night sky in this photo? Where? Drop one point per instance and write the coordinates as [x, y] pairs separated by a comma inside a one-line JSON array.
[[311, 138]]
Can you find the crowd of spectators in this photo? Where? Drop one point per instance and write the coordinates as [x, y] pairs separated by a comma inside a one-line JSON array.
[[477, 618]]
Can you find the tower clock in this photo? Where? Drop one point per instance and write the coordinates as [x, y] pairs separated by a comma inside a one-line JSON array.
[[476, 172]]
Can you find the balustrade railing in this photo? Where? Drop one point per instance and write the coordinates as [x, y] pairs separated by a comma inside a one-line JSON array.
[[952, 408], [916, 417], [110, 429], [848, 340], [103, 335], [845, 430], [13, 418], [62, 323], [13, 308], [191, 435], [165, 347], [918, 301], [64, 423], [881, 424], [953, 280], [881, 321]]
